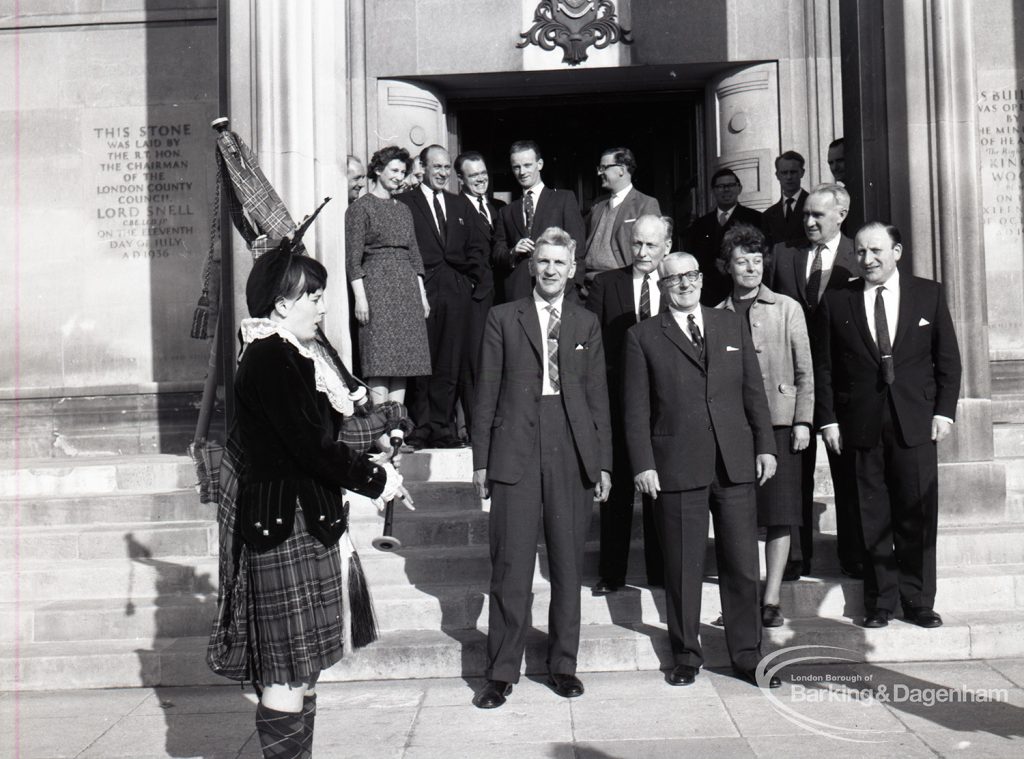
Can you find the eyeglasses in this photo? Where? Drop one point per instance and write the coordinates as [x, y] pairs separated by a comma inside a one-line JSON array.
[[676, 279], [603, 167], [727, 186]]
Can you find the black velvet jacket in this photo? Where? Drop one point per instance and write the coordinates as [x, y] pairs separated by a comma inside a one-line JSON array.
[[288, 431]]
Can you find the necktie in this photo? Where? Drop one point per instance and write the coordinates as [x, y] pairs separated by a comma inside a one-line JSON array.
[[528, 211], [442, 223], [695, 336], [789, 207], [483, 210], [812, 292], [554, 327], [645, 298], [882, 338], [723, 217]]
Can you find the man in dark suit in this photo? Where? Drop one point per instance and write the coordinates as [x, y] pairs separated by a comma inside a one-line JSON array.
[[542, 451], [471, 170], [823, 260], [887, 378], [521, 221], [621, 298], [784, 220], [704, 237], [610, 221], [699, 433], [454, 253]]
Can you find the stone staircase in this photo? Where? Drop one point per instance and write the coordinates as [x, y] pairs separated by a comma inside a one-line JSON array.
[[108, 574]]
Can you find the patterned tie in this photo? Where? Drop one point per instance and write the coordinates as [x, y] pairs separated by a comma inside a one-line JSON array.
[[882, 337], [723, 218], [812, 292], [645, 298], [695, 336], [442, 223], [528, 211], [554, 327], [789, 207], [483, 211]]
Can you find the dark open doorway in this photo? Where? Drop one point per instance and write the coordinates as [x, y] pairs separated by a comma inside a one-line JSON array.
[[662, 129]]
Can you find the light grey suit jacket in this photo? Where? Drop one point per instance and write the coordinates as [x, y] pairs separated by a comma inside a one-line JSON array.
[[632, 207]]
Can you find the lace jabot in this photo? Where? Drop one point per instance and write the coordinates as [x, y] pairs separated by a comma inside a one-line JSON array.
[[328, 380]]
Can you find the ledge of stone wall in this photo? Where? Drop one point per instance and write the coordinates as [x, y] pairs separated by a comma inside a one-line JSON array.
[[50, 13]]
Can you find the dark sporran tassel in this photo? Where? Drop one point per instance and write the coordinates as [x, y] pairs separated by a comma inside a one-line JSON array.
[[364, 624], [201, 319]]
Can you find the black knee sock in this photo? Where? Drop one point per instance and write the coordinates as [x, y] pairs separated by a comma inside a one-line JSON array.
[[282, 734]]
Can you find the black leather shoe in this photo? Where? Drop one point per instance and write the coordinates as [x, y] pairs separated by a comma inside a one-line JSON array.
[[854, 569], [718, 621], [922, 617], [792, 572], [448, 442], [750, 675], [492, 695], [683, 674], [875, 619], [566, 686], [604, 587], [771, 616], [412, 445]]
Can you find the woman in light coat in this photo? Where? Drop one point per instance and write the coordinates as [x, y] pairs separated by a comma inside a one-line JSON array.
[[780, 338]]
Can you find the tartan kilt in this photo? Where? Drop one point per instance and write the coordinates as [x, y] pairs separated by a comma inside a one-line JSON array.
[[297, 595]]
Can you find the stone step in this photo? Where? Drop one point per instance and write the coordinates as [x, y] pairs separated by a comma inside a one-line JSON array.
[[431, 654], [92, 475], [1008, 439], [108, 561], [1008, 409], [134, 507], [446, 607]]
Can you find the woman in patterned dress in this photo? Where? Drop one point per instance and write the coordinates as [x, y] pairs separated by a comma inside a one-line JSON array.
[[386, 273]]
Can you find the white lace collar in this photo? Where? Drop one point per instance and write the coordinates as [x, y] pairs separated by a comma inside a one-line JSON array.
[[328, 380]]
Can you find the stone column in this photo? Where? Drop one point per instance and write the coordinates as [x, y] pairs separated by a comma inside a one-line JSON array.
[[288, 99], [933, 195]]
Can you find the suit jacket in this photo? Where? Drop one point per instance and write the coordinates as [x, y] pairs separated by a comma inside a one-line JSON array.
[[781, 229], [703, 239], [787, 269], [486, 284], [289, 434], [847, 373], [507, 409], [779, 332], [464, 248], [632, 207], [611, 300], [554, 208], [678, 413]]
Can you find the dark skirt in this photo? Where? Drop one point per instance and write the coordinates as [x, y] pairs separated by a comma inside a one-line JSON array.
[[298, 607], [779, 499]]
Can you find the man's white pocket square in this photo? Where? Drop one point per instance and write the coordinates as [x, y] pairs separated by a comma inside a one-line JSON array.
[[581, 347], [729, 348], [923, 323], [629, 221]]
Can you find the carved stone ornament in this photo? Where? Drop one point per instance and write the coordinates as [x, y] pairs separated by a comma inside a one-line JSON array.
[[574, 25]]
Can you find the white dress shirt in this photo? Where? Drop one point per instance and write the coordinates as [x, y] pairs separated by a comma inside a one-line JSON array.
[[724, 215], [544, 316], [475, 202], [828, 260], [682, 319], [652, 284], [534, 192], [429, 195], [891, 300], [617, 197]]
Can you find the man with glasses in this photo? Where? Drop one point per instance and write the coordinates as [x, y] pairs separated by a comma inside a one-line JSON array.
[[700, 435], [610, 222], [704, 236]]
